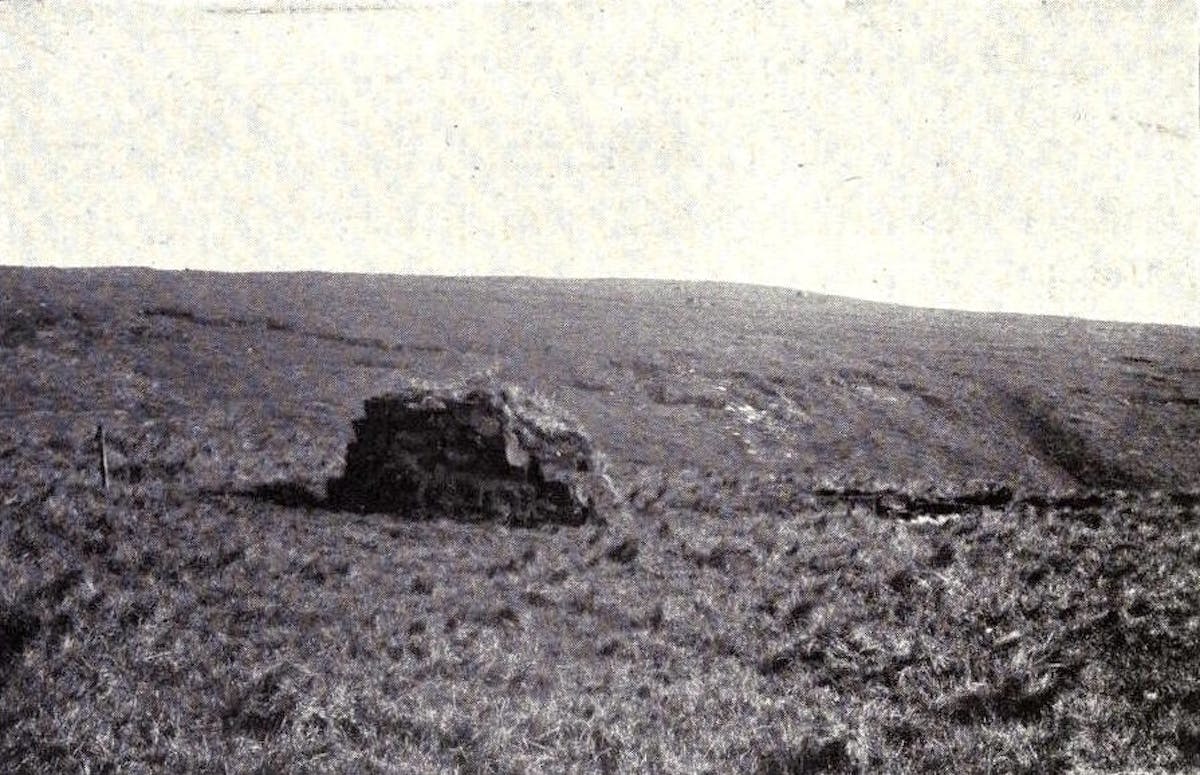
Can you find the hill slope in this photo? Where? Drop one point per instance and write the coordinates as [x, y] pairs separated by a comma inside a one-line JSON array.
[[765, 607], [666, 374]]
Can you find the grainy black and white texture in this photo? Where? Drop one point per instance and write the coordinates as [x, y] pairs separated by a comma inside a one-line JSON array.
[[475, 451], [844, 537]]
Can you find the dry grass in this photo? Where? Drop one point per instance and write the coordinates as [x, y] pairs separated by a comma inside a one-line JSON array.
[[208, 615], [148, 631]]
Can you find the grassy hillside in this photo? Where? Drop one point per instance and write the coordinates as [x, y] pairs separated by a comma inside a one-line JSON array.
[[767, 606]]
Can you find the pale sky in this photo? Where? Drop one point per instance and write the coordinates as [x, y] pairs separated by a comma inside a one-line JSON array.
[[1022, 156]]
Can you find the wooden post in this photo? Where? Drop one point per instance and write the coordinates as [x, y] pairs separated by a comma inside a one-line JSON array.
[[103, 456]]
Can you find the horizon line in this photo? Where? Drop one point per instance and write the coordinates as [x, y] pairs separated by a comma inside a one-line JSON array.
[[806, 291]]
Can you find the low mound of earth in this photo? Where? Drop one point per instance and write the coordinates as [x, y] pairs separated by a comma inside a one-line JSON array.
[[472, 452]]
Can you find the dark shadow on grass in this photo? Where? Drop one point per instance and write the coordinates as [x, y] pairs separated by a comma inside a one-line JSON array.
[[291, 495], [20, 622], [809, 756], [1010, 701], [896, 504], [18, 626], [1065, 448]]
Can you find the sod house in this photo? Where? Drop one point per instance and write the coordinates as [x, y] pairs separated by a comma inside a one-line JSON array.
[[472, 452]]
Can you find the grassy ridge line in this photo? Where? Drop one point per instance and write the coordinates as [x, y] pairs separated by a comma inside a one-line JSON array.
[[717, 376]]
